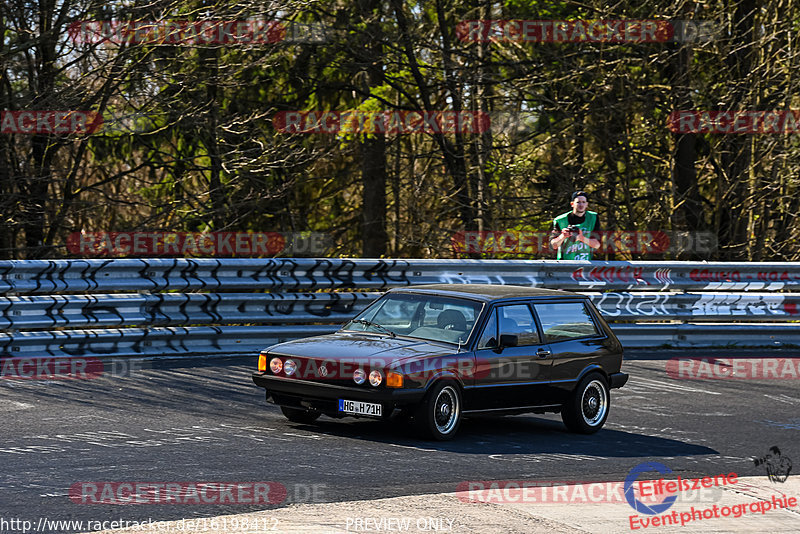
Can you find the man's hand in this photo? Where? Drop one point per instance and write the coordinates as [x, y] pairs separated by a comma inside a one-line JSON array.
[[593, 243], [559, 238]]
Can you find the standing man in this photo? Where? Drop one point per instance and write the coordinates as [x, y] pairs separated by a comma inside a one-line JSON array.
[[572, 231]]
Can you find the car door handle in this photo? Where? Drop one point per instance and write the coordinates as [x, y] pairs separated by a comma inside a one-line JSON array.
[[542, 353]]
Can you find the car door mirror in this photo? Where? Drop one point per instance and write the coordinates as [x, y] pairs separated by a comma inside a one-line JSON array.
[[508, 340]]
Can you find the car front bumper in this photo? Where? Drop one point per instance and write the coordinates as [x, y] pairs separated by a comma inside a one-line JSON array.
[[325, 397]]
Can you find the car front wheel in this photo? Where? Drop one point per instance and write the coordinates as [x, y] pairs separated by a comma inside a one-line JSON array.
[[439, 415], [297, 415], [587, 409]]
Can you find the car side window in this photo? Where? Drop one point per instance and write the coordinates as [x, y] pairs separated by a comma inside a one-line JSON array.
[[488, 338], [565, 320], [517, 319], [449, 316]]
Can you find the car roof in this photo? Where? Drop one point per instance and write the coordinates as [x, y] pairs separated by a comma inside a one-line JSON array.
[[487, 292]]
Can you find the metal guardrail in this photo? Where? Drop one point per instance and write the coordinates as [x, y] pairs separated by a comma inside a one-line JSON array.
[[714, 306], [165, 309], [160, 309], [233, 340], [152, 342], [296, 274], [180, 306], [708, 335]]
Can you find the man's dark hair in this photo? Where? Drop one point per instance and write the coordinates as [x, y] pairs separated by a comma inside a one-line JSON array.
[[577, 194]]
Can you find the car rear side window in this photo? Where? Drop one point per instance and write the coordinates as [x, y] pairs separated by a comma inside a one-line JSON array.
[[565, 320]]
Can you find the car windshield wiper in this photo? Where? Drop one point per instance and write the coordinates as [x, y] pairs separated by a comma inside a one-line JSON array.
[[376, 325]]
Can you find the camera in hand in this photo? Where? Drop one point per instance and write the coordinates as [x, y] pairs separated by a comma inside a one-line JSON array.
[[573, 229]]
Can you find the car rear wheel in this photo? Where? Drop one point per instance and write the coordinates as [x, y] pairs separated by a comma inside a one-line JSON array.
[[439, 414], [587, 410], [297, 415]]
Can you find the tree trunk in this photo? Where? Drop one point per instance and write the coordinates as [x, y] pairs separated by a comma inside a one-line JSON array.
[[373, 147]]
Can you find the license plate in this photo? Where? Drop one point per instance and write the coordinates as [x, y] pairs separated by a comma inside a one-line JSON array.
[[359, 408]]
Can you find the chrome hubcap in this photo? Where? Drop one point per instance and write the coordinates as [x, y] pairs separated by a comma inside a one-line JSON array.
[[594, 403], [446, 410]]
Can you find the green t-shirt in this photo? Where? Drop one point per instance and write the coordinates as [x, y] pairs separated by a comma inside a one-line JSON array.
[[571, 249]]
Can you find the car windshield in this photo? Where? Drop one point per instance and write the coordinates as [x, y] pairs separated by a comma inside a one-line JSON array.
[[430, 317]]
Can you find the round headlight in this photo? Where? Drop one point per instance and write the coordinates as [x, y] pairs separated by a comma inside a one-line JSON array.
[[375, 378], [275, 365], [289, 367], [359, 376]]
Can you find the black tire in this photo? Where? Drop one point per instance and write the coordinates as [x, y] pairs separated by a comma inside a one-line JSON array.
[[439, 415], [298, 415], [587, 409]]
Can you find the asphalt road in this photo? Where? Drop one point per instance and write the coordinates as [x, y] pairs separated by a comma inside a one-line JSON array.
[[195, 421]]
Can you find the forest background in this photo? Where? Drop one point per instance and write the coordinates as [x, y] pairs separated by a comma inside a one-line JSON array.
[[190, 142]]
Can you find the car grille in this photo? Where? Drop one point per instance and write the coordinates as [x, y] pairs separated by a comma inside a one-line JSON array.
[[321, 370]]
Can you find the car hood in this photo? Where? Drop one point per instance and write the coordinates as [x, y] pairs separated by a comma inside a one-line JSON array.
[[356, 346]]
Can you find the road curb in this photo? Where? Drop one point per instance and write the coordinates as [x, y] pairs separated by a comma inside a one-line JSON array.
[[448, 512]]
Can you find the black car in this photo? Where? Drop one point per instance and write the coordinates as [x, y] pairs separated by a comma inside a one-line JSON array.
[[438, 352]]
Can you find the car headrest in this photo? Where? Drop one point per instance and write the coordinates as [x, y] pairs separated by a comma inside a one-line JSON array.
[[454, 318]]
